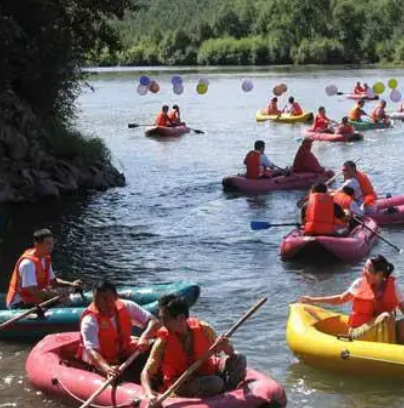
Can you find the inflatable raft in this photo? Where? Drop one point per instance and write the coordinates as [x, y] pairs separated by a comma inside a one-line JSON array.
[[352, 248], [62, 319], [318, 337], [368, 125], [295, 181], [53, 369], [397, 115], [161, 131], [284, 117], [389, 210], [357, 97], [332, 137]]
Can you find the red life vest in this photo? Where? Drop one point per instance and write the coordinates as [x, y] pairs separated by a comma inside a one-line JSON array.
[[162, 120], [359, 90], [368, 192], [343, 200], [306, 161], [320, 123], [367, 305], [42, 277], [174, 116], [378, 114], [319, 215], [114, 342], [176, 361], [253, 163]]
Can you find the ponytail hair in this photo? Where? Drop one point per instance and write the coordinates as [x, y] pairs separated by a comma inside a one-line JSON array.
[[381, 264]]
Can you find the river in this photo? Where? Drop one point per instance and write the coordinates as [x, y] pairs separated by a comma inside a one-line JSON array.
[[173, 222]]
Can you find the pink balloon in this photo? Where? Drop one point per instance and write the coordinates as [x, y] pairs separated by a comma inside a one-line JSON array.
[[395, 96], [370, 93]]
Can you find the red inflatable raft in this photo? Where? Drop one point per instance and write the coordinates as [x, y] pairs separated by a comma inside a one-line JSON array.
[[332, 137], [352, 248], [295, 181], [389, 211], [167, 131], [52, 368], [360, 96]]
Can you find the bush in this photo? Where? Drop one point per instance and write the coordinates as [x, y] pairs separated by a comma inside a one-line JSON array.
[[319, 51]]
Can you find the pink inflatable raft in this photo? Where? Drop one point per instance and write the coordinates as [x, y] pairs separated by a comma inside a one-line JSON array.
[[53, 369], [352, 248], [161, 131], [295, 181], [361, 96], [389, 210], [332, 137]]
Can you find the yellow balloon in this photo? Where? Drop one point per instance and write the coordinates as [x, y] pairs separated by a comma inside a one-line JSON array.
[[393, 83], [201, 88], [378, 88]]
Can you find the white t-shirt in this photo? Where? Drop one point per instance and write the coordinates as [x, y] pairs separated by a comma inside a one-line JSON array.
[[354, 288], [27, 273], [89, 325], [354, 184]]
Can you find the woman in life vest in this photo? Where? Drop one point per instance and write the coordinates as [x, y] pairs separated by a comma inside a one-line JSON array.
[[175, 117], [295, 108], [272, 108], [321, 123], [182, 341], [359, 90], [356, 113], [345, 128], [305, 160], [375, 297], [162, 118], [379, 113], [106, 327]]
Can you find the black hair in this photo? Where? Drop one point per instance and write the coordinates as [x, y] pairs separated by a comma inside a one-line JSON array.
[[348, 190], [381, 264], [274, 99], [350, 164], [345, 119], [259, 144], [175, 305], [40, 235], [176, 107], [361, 101], [165, 107], [321, 108], [320, 188], [104, 286], [291, 99]]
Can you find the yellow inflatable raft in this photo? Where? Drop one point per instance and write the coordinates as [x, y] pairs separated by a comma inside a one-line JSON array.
[[284, 117], [318, 337]]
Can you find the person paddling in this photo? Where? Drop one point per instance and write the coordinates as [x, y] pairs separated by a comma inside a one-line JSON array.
[[106, 327], [356, 113], [375, 297], [305, 160], [272, 108], [345, 128], [162, 118], [180, 342], [345, 199], [359, 90], [175, 117], [379, 113], [33, 280], [321, 123], [294, 108]]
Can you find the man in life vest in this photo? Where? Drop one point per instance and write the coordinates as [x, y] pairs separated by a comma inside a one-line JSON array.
[[305, 160], [379, 113], [294, 109], [272, 108], [321, 123], [365, 194], [345, 128], [182, 341], [321, 215], [375, 296], [359, 90], [356, 113], [258, 165], [106, 327], [33, 279], [175, 117], [162, 118]]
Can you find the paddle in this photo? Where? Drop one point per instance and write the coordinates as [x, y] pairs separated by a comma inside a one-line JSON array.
[[135, 125], [110, 380], [377, 234], [184, 377], [260, 225], [29, 311], [346, 355], [282, 111]]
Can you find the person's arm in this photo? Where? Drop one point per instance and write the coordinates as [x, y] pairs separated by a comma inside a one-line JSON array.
[[150, 332], [224, 344], [330, 300], [98, 361], [60, 283], [338, 211], [152, 367], [356, 209]]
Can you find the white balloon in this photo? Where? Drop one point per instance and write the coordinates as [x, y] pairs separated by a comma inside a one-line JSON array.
[[247, 85], [204, 81], [370, 93], [142, 90], [178, 89]]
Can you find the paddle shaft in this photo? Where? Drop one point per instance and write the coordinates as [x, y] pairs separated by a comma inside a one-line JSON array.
[[110, 380], [377, 234], [29, 311], [184, 377], [346, 355]]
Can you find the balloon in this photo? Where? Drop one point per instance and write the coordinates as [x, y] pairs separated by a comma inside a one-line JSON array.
[[204, 81], [393, 83], [395, 96], [154, 87], [370, 93], [283, 88], [178, 89], [331, 90], [277, 91], [247, 85], [379, 88], [142, 90], [201, 88], [177, 80], [144, 80]]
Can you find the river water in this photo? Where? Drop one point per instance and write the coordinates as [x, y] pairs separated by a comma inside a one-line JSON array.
[[173, 222]]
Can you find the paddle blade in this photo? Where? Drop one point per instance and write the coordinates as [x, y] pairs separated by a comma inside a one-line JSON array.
[[132, 125], [259, 225], [198, 132]]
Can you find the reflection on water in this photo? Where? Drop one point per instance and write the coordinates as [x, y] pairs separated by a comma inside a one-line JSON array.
[[172, 221]]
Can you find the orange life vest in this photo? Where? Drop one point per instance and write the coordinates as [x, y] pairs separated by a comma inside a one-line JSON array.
[[42, 277], [273, 109], [367, 305], [253, 163], [174, 116], [345, 129], [368, 192], [320, 218], [355, 113], [114, 342], [343, 200], [320, 123], [296, 109], [359, 90], [176, 361], [162, 119]]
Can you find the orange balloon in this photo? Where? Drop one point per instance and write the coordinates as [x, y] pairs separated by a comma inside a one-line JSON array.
[[283, 87], [154, 87], [277, 91]]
